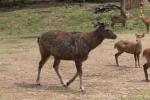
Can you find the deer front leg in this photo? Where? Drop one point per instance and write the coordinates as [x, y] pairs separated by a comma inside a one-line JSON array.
[[135, 58], [124, 23], [138, 58], [79, 71]]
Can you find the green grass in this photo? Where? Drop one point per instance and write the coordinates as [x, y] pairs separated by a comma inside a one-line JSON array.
[[39, 18], [142, 95]]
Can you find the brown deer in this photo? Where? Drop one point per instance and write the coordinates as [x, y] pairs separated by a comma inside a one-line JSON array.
[[118, 19], [121, 19], [129, 47], [146, 54], [145, 19], [125, 15], [71, 46]]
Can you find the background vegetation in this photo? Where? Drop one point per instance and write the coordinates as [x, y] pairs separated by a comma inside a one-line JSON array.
[[38, 18]]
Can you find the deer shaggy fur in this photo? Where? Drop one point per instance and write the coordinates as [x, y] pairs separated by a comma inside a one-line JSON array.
[[71, 46]]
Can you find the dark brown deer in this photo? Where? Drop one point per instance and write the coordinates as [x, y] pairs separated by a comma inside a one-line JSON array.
[[145, 19], [118, 19], [129, 47], [71, 46], [122, 18], [146, 54]]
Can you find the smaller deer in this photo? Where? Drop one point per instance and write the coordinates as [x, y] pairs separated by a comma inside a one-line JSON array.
[[145, 19], [121, 19], [129, 47], [146, 54]]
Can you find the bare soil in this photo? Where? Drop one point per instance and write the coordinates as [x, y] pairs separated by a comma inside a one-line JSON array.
[[103, 80]]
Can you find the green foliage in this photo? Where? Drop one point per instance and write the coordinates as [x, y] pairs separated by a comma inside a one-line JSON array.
[[102, 1]]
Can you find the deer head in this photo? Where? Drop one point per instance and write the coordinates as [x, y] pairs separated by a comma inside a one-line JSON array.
[[105, 30], [139, 36]]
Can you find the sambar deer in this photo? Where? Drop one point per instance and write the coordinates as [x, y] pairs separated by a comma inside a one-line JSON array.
[[71, 46]]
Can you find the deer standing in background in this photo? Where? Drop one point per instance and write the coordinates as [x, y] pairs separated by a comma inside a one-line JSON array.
[[122, 18], [71, 46], [134, 48], [145, 19]]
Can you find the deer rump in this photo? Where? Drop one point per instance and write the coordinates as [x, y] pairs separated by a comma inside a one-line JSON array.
[[64, 45]]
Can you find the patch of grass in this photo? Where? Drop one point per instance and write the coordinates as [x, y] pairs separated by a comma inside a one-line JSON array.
[[142, 95], [39, 18]]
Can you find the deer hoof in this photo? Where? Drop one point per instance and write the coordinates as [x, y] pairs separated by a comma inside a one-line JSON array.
[[38, 83], [68, 83], [83, 91], [64, 85]]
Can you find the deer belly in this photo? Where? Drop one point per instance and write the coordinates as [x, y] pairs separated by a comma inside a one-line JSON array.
[[62, 52], [130, 50]]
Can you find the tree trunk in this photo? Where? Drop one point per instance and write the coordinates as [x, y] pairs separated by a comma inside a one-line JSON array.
[[0, 2], [123, 5]]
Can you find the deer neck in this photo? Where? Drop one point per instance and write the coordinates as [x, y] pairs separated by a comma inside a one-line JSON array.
[[96, 39], [139, 43]]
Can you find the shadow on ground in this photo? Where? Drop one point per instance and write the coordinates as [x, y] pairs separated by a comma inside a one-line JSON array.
[[51, 87]]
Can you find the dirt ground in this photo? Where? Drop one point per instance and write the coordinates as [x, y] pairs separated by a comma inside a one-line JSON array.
[[103, 80]]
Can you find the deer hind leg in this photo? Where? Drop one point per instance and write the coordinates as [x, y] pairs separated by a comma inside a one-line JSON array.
[[56, 68], [145, 67], [124, 23], [44, 56], [116, 57], [71, 80]]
